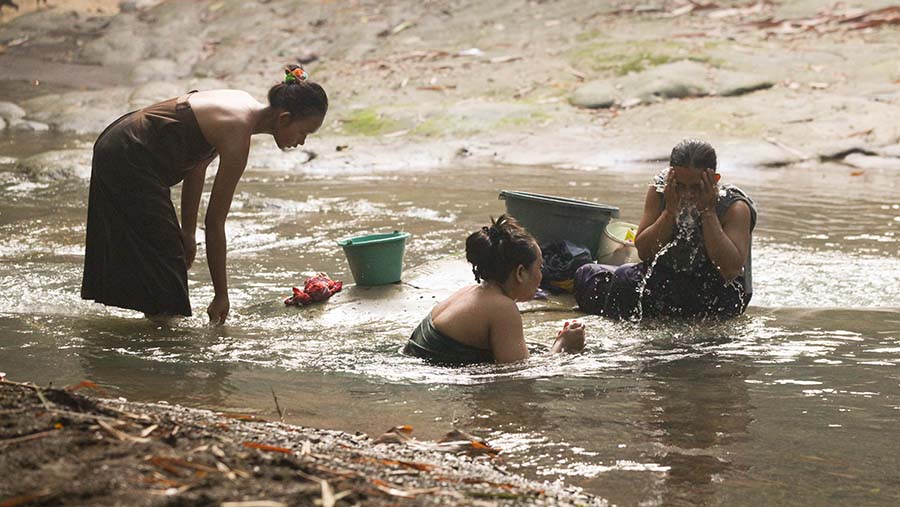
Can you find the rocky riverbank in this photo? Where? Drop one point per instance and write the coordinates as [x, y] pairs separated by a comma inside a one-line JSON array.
[[63, 448], [769, 83]]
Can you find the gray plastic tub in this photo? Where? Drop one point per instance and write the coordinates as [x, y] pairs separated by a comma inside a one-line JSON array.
[[550, 218]]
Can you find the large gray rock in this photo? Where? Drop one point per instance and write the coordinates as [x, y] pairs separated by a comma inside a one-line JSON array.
[[153, 92], [677, 80], [56, 165], [157, 69], [11, 112], [84, 112], [595, 95], [120, 45], [2, 124]]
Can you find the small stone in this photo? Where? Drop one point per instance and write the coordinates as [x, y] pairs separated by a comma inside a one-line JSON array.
[[11, 112], [595, 95]]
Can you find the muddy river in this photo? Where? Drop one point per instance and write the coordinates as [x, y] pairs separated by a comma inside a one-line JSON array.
[[794, 403]]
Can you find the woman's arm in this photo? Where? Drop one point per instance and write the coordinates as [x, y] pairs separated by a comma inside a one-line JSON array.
[[232, 161], [727, 241], [506, 335], [657, 223], [191, 190]]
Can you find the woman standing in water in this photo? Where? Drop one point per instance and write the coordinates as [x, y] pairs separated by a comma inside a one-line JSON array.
[[694, 235], [137, 255], [481, 323]]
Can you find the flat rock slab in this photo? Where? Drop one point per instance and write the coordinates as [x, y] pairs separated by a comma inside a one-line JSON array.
[[56, 165], [862, 161], [410, 300], [677, 80]]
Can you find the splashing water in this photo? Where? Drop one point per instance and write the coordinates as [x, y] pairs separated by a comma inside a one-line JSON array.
[[639, 314], [686, 226]]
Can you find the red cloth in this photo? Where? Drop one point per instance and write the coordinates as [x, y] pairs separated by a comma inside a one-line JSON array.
[[317, 288]]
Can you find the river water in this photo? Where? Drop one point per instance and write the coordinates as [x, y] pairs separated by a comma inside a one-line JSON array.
[[794, 403]]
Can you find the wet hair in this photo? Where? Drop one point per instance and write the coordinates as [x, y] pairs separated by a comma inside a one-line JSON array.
[[496, 251], [694, 154], [300, 97]]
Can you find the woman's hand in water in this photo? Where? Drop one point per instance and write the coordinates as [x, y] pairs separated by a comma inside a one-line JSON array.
[[218, 310], [671, 194], [709, 191], [571, 338], [190, 248]]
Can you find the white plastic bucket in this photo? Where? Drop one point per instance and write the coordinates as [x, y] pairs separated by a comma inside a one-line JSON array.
[[617, 244]]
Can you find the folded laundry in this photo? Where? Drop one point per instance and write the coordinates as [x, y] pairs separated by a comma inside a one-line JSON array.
[[316, 288]]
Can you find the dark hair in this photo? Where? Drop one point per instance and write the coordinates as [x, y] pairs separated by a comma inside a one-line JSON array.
[[300, 97], [694, 154], [496, 251]]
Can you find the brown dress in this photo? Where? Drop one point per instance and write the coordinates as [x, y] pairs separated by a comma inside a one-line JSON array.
[[134, 257]]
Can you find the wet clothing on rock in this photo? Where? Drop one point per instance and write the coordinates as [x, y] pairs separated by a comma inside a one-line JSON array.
[[683, 283], [428, 343], [134, 256]]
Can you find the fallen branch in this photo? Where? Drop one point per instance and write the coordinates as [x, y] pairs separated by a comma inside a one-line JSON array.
[[26, 438]]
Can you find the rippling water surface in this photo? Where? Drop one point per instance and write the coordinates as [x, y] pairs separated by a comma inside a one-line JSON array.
[[796, 402]]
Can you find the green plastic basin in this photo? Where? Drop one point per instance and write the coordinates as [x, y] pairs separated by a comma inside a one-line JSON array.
[[375, 259]]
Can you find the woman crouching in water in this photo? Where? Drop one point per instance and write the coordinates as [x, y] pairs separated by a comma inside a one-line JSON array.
[[481, 323]]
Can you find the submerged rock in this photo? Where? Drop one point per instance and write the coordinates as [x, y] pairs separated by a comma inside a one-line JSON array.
[[56, 165], [29, 126]]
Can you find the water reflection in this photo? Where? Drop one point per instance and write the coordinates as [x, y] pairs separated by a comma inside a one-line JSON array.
[[137, 358], [700, 406]]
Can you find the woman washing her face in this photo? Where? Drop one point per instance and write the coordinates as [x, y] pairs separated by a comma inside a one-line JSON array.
[[696, 235]]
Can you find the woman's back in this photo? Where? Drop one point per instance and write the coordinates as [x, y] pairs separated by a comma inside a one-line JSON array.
[[467, 315]]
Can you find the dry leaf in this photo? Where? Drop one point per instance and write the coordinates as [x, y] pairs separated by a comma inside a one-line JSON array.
[[266, 447]]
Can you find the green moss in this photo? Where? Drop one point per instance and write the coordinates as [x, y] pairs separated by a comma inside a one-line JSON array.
[[588, 35], [367, 122], [623, 57], [641, 61], [521, 120]]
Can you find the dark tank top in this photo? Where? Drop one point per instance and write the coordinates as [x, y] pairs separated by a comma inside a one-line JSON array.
[[165, 137], [427, 342], [689, 253]]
